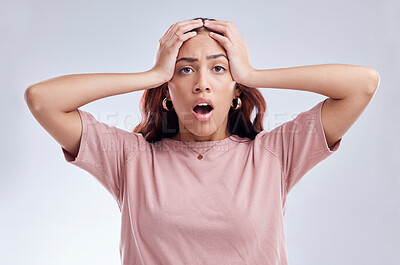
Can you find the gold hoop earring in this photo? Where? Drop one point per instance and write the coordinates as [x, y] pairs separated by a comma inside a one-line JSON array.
[[238, 105], [164, 104]]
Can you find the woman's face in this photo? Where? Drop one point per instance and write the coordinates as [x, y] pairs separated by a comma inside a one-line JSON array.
[[202, 78]]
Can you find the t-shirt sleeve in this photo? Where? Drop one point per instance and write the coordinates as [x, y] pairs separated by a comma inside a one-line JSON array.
[[103, 152], [300, 144]]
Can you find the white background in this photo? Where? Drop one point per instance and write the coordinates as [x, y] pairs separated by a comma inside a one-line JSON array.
[[345, 211]]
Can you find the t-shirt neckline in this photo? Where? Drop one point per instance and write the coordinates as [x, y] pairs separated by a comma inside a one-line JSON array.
[[229, 139]]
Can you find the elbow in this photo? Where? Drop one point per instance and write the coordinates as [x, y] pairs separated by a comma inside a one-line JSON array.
[[31, 98], [373, 81]]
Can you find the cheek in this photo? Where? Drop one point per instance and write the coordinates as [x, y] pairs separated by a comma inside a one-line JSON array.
[[223, 107], [232, 86], [225, 103], [180, 102], [174, 91]]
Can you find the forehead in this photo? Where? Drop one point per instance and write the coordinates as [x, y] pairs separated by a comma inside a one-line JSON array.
[[200, 47]]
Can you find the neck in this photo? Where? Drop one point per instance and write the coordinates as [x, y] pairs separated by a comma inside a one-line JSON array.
[[189, 137]]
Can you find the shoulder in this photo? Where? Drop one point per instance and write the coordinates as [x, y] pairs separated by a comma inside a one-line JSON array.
[[265, 141], [105, 133], [302, 124], [90, 120]]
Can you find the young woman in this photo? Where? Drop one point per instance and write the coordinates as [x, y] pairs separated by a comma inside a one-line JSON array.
[[198, 182]]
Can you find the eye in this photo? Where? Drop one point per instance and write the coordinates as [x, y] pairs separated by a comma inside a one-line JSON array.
[[183, 70], [219, 67], [180, 71]]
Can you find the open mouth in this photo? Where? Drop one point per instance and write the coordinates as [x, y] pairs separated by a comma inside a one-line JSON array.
[[202, 112], [203, 108]]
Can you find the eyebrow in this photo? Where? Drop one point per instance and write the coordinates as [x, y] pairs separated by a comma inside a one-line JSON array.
[[188, 59]]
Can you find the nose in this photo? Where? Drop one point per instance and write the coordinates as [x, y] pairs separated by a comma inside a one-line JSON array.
[[202, 83]]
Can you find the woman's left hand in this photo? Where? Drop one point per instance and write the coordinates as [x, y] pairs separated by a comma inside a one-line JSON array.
[[236, 48]]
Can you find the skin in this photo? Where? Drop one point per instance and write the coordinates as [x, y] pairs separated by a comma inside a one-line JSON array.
[[350, 88], [209, 78]]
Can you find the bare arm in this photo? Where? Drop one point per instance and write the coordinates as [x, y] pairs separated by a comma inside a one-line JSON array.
[[336, 81], [69, 92], [53, 102], [350, 88]]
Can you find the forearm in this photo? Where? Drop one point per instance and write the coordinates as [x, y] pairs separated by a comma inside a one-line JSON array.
[[69, 92], [332, 80]]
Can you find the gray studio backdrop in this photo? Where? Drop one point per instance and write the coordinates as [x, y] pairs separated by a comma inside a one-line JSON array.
[[344, 211]]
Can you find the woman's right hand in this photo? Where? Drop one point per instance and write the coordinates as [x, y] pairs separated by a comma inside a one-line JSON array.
[[169, 44]]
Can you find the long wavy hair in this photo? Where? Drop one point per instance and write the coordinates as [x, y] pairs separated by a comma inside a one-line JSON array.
[[158, 123]]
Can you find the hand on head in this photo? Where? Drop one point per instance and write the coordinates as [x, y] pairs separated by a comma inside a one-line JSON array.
[[229, 38], [235, 47], [169, 44]]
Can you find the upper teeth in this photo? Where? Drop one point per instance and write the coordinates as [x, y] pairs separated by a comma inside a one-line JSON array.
[[202, 104]]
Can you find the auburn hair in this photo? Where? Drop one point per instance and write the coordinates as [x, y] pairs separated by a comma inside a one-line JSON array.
[[158, 123]]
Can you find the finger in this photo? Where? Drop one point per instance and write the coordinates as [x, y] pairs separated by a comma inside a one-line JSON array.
[[172, 28], [184, 26], [190, 26], [188, 22], [184, 37], [226, 27], [224, 41], [221, 22], [222, 29], [167, 32]]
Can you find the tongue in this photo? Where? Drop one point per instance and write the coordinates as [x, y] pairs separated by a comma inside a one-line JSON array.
[[202, 109]]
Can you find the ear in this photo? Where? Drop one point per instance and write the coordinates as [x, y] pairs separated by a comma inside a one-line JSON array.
[[166, 91], [237, 91]]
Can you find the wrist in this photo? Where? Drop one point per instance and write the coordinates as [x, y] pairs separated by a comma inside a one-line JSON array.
[[162, 75], [250, 80], [158, 76]]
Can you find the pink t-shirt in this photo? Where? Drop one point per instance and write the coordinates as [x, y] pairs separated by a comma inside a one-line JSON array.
[[227, 208]]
